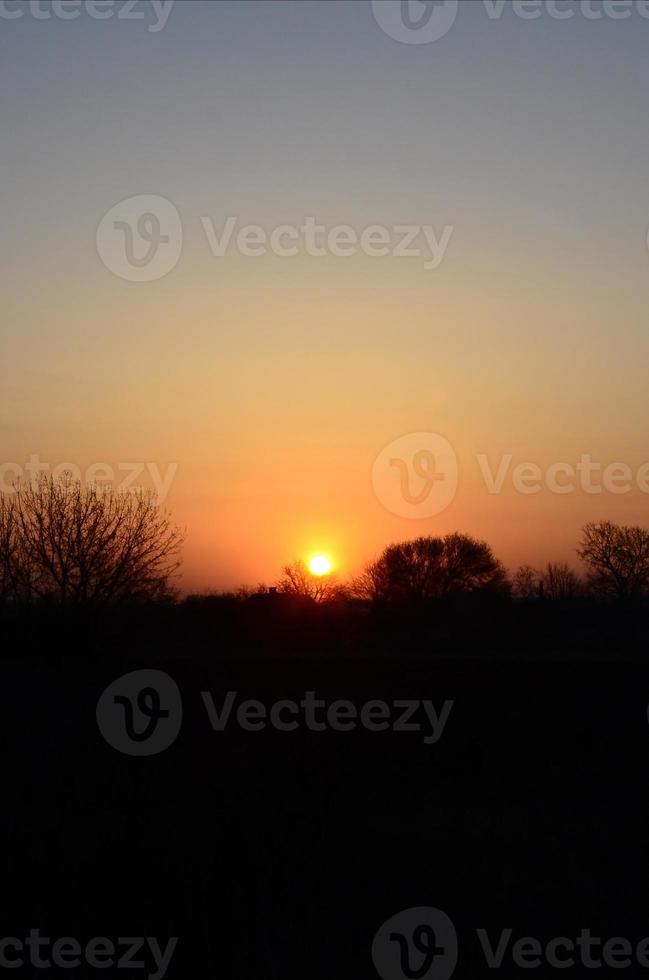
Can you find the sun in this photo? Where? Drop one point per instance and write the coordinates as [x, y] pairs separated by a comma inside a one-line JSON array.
[[320, 565]]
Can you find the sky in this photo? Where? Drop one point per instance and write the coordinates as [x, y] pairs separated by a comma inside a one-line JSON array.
[[271, 387]]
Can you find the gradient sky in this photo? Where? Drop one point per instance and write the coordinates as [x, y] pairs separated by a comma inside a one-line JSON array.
[[274, 382]]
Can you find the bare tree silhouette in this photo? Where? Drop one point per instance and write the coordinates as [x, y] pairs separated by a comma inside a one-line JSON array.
[[298, 580], [525, 583], [617, 557], [560, 582], [73, 544], [371, 583], [12, 564]]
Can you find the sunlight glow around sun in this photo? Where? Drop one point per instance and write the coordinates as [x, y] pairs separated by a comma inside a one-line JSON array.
[[320, 565]]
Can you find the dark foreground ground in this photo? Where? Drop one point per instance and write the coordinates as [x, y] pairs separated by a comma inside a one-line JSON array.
[[279, 854]]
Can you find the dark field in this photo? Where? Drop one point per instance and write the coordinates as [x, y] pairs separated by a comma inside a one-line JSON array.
[[280, 853]]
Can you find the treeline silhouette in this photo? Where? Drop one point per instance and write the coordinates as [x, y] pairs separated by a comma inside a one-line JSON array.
[[106, 562], [430, 569]]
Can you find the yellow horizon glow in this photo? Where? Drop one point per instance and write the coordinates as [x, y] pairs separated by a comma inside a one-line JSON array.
[[320, 565]]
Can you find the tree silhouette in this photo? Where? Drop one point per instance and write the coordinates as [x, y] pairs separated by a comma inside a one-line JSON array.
[[525, 583], [12, 566], [560, 582], [372, 583], [617, 557], [298, 580], [73, 544], [432, 568]]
